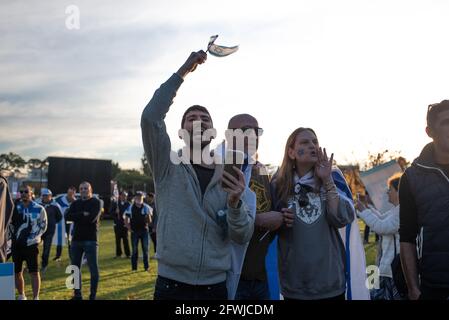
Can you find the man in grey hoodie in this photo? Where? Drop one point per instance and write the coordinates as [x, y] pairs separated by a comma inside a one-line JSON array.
[[193, 235]]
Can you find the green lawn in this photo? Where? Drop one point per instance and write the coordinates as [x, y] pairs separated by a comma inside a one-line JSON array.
[[117, 281], [371, 247]]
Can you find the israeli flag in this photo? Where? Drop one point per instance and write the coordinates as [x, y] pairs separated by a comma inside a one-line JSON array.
[[219, 51]]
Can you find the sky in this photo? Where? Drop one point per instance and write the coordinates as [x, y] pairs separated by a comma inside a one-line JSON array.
[[361, 73]]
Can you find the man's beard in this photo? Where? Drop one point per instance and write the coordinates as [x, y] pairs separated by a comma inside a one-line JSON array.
[[203, 143]]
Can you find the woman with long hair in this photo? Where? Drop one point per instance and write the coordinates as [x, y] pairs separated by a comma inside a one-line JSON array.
[[311, 252]]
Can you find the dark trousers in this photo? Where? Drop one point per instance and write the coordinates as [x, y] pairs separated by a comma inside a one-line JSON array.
[[252, 290], [121, 235], [47, 239], [153, 239], [366, 234], [167, 289], [336, 298], [59, 248], [90, 250], [143, 237], [428, 293]]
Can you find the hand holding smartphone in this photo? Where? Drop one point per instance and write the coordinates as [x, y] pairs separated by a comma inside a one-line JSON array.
[[233, 158]]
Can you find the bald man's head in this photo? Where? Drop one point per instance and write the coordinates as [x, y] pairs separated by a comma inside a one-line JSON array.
[[242, 120], [85, 190], [247, 138]]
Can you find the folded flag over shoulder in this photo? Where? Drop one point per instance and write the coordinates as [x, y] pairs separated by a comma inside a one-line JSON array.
[[356, 288], [219, 51]]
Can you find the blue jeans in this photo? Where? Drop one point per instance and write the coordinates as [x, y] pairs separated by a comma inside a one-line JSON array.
[[252, 290], [143, 237], [90, 250]]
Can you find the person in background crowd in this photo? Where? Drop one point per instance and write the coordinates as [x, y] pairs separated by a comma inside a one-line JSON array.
[[29, 222], [54, 215], [65, 202], [118, 209], [387, 226], [137, 220], [85, 214]]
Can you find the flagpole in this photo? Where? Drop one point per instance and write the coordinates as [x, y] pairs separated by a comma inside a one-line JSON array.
[[211, 43]]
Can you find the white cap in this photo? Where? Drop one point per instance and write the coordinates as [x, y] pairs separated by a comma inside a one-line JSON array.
[[46, 192]]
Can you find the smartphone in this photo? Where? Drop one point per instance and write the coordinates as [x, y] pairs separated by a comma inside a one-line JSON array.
[[233, 158]]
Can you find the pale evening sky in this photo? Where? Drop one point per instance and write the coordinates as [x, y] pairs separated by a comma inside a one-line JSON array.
[[361, 73]]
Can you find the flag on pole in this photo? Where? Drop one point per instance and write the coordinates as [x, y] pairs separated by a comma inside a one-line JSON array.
[[219, 51]]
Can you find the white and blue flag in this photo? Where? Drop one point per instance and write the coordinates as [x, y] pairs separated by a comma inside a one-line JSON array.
[[219, 51]]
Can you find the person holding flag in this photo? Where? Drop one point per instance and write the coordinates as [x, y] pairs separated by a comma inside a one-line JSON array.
[[64, 226], [194, 250], [137, 218]]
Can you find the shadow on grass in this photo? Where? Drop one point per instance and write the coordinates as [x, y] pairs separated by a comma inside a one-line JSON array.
[[85, 279], [141, 291]]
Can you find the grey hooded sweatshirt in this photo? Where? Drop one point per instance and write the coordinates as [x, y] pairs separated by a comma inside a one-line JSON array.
[[311, 254]]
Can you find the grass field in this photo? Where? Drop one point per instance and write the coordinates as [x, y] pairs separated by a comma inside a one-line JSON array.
[[117, 281]]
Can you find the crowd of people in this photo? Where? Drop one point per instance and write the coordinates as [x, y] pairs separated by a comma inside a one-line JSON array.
[[214, 225]]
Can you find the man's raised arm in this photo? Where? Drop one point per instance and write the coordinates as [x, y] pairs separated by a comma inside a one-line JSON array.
[[155, 139]]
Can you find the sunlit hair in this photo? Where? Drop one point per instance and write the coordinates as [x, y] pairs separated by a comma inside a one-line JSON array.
[[284, 177], [434, 110], [393, 181], [194, 108]]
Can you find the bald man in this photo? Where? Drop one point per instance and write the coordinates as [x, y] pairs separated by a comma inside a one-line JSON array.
[[85, 214], [253, 284]]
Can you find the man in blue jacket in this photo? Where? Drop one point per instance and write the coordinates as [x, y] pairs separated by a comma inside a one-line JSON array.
[[29, 222]]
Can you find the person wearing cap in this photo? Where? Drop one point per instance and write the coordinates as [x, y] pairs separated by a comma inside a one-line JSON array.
[[137, 220], [118, 209], [54, 215]]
